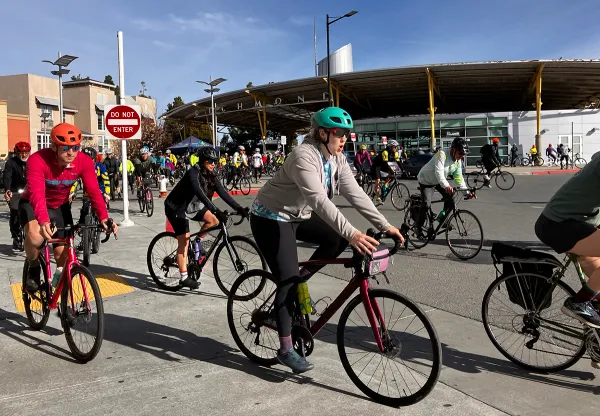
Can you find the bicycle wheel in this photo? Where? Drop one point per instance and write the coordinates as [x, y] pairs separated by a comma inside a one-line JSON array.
[[400, 196], [532, 334], [475, 180], [525, 161], [403, 348], [244, 185], [250, 310], [149, 203], [505, 181], [36, 304], [410, 221], [539, 161], [76, 305], [241, 255], [161, 259], [87, 241], [580, 163], [470, 234], [367, 184], [142, 204]]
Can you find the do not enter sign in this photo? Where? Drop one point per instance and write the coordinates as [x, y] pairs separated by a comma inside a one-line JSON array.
[[123, 121]]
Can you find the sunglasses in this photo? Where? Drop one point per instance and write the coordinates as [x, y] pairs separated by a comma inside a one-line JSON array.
[[74, 148], [340, 132], [211, 162]]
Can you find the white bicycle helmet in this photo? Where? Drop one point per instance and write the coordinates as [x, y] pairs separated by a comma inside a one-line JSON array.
[[392, 143]]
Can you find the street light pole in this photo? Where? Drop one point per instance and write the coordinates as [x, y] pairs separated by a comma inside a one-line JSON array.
[[62, 62], [211, 90], [328, 23]]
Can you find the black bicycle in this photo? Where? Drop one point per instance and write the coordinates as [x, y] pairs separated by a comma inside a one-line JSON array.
[[398, 192], [90, 234], [233, 256], [145, 198], [504, 180], [462, 222]]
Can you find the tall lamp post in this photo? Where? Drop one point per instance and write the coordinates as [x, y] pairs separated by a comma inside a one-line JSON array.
[[335, 19], [45, 116], [62, 62], [211, 90]]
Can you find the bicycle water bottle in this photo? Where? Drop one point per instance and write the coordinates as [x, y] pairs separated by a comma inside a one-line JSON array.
[[441, 215], [304, 299], [383, 190]]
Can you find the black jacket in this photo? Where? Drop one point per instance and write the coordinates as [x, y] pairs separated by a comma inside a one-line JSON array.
[[112, 164], [14, 174], [194, 184]]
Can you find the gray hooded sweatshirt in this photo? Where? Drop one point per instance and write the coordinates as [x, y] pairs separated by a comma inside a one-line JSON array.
[[297, 190]]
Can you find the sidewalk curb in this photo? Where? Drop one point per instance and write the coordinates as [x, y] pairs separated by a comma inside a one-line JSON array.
[[554, 171]]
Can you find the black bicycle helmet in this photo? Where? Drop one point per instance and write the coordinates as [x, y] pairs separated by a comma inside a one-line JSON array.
[[206, 153], [460, 144], [91, 152]]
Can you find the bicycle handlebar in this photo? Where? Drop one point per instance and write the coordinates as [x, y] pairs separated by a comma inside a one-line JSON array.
[[227, 215], [380, 236]]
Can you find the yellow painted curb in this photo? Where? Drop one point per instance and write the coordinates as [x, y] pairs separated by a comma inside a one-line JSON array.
[[110, 285]]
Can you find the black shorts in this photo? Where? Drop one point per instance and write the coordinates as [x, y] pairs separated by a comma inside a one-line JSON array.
[[181, 226], [562, 236], [376, 171], [60, 216]]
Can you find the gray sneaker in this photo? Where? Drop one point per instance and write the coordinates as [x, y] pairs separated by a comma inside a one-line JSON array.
[[583, 312], [294, 361]]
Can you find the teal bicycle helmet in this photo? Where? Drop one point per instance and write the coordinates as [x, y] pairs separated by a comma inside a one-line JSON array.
[[332, 118]]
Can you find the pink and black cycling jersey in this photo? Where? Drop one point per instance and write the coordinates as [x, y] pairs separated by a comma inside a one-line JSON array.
[[362, 157], [49, 184]]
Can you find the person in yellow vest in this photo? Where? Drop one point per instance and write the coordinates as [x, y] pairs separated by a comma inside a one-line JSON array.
[[171, 157], [130, 168]]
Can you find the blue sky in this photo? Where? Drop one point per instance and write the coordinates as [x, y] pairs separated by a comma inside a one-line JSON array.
[[170, 44]]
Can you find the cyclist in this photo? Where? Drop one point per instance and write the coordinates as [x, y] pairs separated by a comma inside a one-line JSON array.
[[14, 180], [433, 176], [101, 175], [533, 153], [564, 155], [129, 171], [142, 167], [489, 159], [50, 174], [569, 224], [191, 199], [111, 164], [296, 205], [380, 164], [257, 164], [362, 156]]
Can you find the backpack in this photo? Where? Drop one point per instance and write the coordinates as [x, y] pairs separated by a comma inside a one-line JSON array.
[[525, 291]]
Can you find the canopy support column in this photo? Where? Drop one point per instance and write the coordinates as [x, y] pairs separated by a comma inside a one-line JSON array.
[[432, 108]]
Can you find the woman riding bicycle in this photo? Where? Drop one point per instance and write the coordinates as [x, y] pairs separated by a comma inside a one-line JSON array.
[[192, 199], [296, 205]]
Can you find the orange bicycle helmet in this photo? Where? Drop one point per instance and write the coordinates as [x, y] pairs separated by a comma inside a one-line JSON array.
[[65, 134], [23, 147], [496, 140]]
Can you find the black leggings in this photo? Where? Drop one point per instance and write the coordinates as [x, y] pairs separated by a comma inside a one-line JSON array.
[[277, 242]]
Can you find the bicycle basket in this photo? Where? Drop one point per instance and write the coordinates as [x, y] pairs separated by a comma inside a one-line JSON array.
[[378, 262], [525, 291]]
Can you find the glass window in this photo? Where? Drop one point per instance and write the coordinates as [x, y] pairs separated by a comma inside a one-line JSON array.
[[456, 132], [426, 124], [43, 141], [498, 121], [476, 122], [386, 126], [477, 142], [46, 109], [357, 128], [100, 120], [453, 123], [498, 131], [407, 125], [103, 144], [472, 132], [368, 127]]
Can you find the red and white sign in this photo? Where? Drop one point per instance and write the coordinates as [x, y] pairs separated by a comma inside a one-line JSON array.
[[353, 137], [123, 121], [384, 140]]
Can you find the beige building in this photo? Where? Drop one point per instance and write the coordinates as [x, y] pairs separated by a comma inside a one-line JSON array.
[[84, 100]]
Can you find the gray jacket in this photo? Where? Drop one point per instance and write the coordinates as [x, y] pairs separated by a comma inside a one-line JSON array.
[[297, 190]]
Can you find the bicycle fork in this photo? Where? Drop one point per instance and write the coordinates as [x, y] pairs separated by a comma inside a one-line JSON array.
[[373, 314]]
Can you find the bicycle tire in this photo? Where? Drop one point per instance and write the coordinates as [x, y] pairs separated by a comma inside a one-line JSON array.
[[64, 308], [153, 274], [418, 313], [509, 181], [408, 220], [95, 237], [245, 186], [400, 189], [525, 161], [475, 180], [86, 238], [42, 294], [222, 246], [456, 213], [231, 321], [580, 163], [494, 286], [141, 203], [149, 203]]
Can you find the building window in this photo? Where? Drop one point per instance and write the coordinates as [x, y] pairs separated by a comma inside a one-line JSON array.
[[102, 144], [100, 120], [43, 141]]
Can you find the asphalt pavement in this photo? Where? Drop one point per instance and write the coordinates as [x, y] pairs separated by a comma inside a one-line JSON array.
[[173, 352]]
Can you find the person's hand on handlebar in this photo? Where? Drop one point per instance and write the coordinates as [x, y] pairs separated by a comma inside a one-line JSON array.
[[395, 232], [47, 230], [363, 243], [8, 195], [242, 212], [449, 190], [114, 225]]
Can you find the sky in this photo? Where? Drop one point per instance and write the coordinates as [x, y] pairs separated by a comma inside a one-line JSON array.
[[171, 44]]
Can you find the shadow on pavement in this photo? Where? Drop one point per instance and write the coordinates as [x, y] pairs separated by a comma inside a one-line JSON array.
[[164, 342], [15, 326]]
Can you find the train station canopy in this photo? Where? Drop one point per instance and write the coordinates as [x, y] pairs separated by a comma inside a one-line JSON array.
[[474, 87]]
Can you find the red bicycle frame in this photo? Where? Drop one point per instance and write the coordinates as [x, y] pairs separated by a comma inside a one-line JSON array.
[[359, 281]]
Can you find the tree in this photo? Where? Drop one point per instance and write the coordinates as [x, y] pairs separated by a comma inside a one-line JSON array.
[[77, 77], [177, 102], [143, 90], [249, 85], [153, 135], [108, 80]]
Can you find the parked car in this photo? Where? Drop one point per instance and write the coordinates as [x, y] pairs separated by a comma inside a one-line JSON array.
[[413, 164]]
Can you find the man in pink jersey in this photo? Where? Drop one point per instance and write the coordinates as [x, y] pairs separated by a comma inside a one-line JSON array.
[[50, 174]]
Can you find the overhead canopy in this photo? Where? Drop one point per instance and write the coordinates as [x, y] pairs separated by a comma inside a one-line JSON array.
[[188, 144], [459, 88], [52, 102]]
